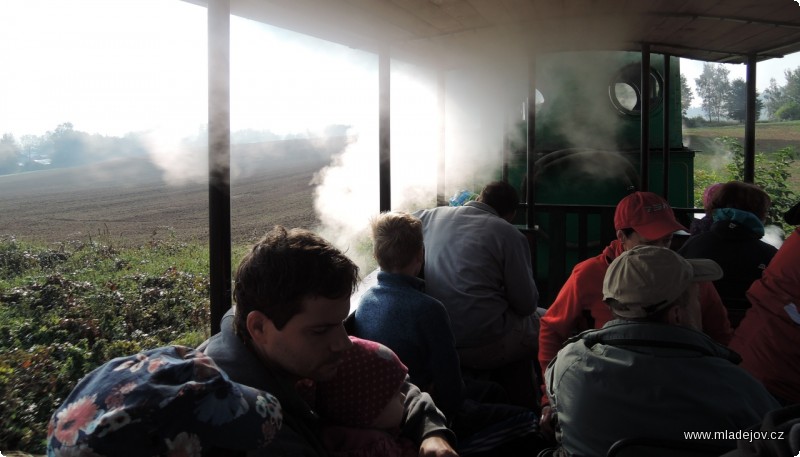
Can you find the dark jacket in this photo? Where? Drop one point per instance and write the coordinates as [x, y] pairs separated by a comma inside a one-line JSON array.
[[302, 427], [734, 242], [640, 379]]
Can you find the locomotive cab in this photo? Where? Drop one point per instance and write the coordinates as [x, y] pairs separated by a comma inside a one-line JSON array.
[[587, 153]]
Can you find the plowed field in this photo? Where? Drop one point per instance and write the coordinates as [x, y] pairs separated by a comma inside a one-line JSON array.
[[127, 201]]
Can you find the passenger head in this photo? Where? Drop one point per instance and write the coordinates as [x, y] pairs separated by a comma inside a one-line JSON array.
[[645, 218], [292, 292], [501, 196], [171, 400], [654, 283], [365, 392], [742, 196], [708, 194], [397, 240]]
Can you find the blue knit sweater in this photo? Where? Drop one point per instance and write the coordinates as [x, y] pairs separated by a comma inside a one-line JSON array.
[[397, 313]]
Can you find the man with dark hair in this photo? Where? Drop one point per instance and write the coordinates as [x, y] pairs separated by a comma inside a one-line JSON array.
[[650, 372], [479, 266], [501, 196], [292, 293]]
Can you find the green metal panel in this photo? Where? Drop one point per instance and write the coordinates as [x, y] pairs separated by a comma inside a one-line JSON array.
[[591, 100], [587, 152]]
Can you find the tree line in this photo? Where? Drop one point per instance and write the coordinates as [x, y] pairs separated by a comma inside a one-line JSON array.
[[64, 147], [723, 99]]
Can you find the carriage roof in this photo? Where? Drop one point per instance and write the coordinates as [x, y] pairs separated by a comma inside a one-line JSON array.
[[442, 31]]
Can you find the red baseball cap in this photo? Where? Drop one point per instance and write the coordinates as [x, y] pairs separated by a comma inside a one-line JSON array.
[[648, 214]]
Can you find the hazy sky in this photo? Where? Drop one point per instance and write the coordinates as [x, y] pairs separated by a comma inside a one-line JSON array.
[[114, 66], [106, 66]]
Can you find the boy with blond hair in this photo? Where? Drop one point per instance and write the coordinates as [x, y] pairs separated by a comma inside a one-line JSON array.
[[397, 312]]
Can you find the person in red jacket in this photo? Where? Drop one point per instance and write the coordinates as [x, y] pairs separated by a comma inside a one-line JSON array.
[[641, 218], [768, 335]]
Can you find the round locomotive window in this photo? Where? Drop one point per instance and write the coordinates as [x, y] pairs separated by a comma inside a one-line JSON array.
[[539, 100], [625, 90], [538, 103]]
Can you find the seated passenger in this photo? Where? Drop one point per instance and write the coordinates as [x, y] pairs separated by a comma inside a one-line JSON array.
[[642, 218], [167, 401], [703, 224], [292, 293], [362, 404], [734, 242], [397, 312], [650, 372], [479, 266], [767, 339]]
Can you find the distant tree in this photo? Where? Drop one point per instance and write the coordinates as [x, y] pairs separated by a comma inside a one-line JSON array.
[[712, 87], [773, 98], [66, 147], [736, 101], [791, 90], [9, 154], [792, 87], [32, 148], [686, 96]]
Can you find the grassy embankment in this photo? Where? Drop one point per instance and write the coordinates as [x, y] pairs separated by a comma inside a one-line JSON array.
[[65, 311], [770, 137]]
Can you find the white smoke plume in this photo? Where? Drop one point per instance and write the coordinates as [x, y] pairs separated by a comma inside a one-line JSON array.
[[347, 192], [346, 196], [773, 235], [180, 161]]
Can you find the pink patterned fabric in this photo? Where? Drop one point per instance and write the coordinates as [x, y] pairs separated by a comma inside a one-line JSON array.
[[369, 376]]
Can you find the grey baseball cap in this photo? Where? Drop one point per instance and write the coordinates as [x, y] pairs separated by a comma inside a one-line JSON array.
[[645, 279]]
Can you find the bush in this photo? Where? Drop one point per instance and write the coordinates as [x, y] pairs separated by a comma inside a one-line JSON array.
[[788, 112], [703, 179], [62, 314], [15, 260], [694, 122], [771, 173]]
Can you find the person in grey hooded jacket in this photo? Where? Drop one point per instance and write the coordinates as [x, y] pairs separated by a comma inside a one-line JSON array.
[[650, 372], [479, 266]]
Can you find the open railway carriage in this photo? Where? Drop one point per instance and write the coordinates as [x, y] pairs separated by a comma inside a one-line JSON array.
[[631, 48]]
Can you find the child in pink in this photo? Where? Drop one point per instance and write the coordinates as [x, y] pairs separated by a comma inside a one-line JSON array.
[[363, 404]]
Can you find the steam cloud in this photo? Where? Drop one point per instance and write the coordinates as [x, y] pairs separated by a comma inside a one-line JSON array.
[[482, 114], [347, 191]]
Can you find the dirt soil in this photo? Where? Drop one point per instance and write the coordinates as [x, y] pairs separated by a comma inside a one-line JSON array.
[[128, 202]]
